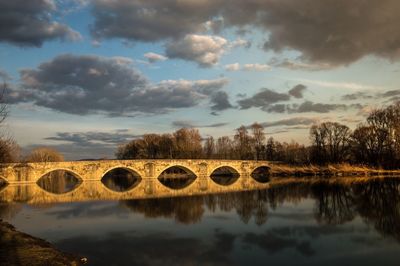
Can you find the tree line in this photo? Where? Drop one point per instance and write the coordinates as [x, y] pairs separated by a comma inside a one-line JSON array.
[[376, 142]]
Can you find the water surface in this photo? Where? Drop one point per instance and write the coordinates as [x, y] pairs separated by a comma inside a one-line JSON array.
[[302, 224]]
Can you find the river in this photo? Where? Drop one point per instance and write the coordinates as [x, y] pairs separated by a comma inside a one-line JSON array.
[[302, 223]]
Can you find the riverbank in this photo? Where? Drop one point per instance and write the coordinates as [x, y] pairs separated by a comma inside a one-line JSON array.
[[17, 248], [332, 170]]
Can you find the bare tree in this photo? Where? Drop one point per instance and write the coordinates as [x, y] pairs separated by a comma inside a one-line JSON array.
[[243, 143], [209, 147], [44, 154], [330, 142], [3, 105], [224, 148], [258, 140], [9, 150]]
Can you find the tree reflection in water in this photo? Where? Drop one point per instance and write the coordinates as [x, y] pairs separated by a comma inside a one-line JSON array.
[[176, 177], [224, 176], [58, 182], [377, 202], [121, 179]]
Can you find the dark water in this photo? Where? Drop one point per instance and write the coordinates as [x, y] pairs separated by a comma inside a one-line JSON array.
[[296, 224]]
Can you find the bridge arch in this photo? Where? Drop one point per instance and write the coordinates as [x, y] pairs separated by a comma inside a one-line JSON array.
[[130, 169], [60, 182], [180, 185], [261, 173], [121, 186], [74, 173], [212, 170], [224, 175], [182, 166]]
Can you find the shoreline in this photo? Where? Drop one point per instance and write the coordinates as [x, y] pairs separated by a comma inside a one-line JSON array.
[[329, 171], [18, 248]]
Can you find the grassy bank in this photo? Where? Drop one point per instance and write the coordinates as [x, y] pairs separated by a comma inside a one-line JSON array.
[[332, 170], [18, 248]]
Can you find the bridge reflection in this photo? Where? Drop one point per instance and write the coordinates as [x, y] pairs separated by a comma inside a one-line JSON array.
[[377, 201], [118, 189]]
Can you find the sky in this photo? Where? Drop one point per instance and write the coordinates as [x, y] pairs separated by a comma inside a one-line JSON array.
[[84, 76]]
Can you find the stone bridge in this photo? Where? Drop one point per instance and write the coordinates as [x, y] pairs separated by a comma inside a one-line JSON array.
[[21, 179], [146, 169]]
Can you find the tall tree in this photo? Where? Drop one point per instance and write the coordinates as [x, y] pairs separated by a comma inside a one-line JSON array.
[[224, 148], [209, 147], [243, 143], [258, 140], [3, 105]]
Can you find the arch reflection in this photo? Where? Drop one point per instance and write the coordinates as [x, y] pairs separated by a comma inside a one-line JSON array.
[[177, 177], [58, 182], [121, 179], [224, 175]]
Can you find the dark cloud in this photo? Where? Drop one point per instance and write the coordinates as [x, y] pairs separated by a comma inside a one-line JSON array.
[[191, 124], [309, 106], [93, 84], [94, 137], [333, 33], [149, 20], [29, 23], [391, 93], [263, 99], [295, 65], [297, 91], [87, 145], [291, 122], [220, 101], [276, 108], [356, 96]]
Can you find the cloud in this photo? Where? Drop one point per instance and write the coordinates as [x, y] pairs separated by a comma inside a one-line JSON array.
[[87, 145], [240, 43], [276, 108], [29, 23], [295, 121], [92, 84], [356, 96], [393, 94], [220, 101], [297, 91], [335, 33], [263, 99], [256, 67], [390, 93], [205, 50], [153, 57], [309, 106], [191, 124], [340, 85], [232, 67], [295, 65], [94, 137]]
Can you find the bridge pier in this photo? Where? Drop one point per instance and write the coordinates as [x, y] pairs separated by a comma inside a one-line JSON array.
[[203, 177], [244, 175]]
